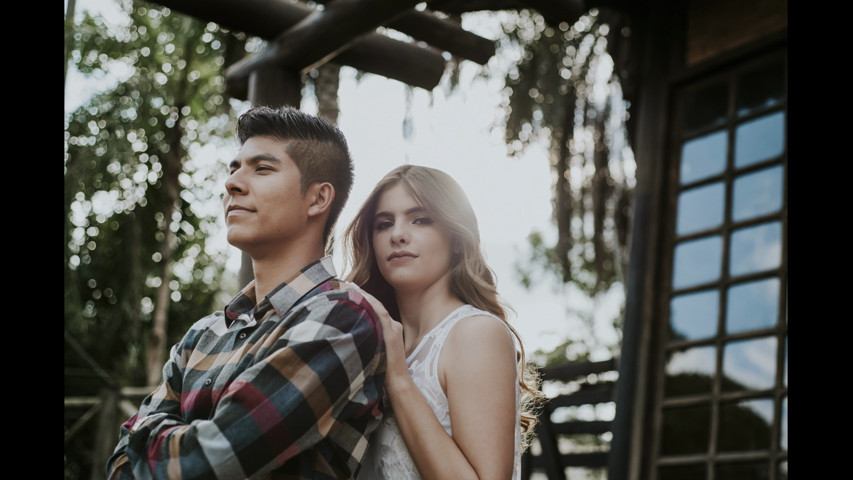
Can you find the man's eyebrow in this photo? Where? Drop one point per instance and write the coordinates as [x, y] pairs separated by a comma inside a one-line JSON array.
[[254, 159]]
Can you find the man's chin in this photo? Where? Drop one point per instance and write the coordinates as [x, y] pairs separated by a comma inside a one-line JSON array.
[[236, 239]]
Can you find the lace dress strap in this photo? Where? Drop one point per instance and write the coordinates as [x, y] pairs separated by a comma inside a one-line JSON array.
[[387, 456]]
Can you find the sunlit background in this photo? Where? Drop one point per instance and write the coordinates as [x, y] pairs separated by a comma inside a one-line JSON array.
[[458, 131]]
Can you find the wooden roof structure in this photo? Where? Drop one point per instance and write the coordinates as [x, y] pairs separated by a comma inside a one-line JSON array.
[[345, 32]]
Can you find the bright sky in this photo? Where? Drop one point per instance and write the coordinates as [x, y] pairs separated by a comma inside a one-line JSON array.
[[462, 134]]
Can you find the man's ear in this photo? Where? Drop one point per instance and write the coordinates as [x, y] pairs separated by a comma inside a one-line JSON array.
[[322, 195]]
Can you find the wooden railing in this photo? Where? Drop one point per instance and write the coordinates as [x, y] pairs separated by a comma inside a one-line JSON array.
[[577, 384], [106, 412]]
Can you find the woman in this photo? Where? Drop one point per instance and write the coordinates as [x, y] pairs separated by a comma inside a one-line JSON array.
[[456, 378]]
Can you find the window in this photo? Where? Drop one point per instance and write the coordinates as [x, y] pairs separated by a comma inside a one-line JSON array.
[[721, 408]]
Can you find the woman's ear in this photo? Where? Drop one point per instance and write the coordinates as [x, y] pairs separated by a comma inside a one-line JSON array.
[[456, 245], [322, 196], [455, 251]]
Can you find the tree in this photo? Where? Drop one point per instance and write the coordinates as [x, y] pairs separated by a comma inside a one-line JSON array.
[[566, 90], [139, 268]]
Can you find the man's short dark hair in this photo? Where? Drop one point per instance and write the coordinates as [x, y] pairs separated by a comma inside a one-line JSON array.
[[318, 148]]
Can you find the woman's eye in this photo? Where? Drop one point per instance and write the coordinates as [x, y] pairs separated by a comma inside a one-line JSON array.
[[422, 221], [382, 225]]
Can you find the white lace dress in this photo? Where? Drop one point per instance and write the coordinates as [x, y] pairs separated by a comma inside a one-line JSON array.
[[387, 457]]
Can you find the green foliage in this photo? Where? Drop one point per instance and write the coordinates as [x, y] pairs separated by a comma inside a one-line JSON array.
[[121, 147], [556, 93], [170, 98], [539, 258], [564, 91], [536, 87]]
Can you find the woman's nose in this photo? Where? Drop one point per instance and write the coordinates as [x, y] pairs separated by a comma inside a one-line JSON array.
[[399, 234]]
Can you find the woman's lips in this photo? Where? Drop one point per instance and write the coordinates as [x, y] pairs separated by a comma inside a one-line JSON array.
[[401, 257]]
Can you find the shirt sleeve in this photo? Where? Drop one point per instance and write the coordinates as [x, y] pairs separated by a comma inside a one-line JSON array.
[[304, 378]]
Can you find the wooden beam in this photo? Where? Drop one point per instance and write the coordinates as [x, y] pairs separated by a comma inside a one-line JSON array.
[[260, 18], [571, 371], [90, 413], [373, 53], [445, 36], [553, 10], [419, 66], [438, 33], [321, 35]]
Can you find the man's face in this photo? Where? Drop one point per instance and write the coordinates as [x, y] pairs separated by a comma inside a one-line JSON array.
[[264, 206]]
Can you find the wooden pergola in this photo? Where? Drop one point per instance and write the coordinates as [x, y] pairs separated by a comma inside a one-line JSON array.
[[345, 32]]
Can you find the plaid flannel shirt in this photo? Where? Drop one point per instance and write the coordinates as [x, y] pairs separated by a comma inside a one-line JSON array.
[[291, 390]]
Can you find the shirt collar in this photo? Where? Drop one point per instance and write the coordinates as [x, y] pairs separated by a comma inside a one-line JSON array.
[[283, 297]]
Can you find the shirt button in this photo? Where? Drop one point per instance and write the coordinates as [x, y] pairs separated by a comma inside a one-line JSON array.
[[208, 382], [242, 335]]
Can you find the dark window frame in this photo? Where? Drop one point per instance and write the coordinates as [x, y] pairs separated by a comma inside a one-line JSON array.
[[689, 80]]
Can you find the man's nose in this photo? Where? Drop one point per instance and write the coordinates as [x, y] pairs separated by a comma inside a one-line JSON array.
[[233, 183]]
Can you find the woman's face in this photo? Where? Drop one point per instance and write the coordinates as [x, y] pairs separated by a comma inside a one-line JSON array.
[[412, 251]]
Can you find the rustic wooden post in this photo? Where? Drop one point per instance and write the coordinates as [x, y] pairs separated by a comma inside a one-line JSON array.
[[275, 86], [106, 437], [551, 456], [272, 86]]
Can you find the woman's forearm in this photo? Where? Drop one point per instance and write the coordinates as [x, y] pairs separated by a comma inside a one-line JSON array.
[[434, 452]]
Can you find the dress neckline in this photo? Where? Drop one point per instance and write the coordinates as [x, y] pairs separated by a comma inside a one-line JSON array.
[[433, 331]]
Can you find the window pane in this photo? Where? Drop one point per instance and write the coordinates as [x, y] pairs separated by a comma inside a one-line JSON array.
[[703, 157], [706, 106], [752, 305], [760, 139], [697, 261], [745, 425], [694, 315], [690, 371], [782, 472], [701, 208], [756, 248], [682, 472], [749, 364], [742, 471], [686, 430], [761, 88], [758, 193]]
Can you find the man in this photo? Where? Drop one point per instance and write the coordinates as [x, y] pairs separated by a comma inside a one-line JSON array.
[[286, 382]]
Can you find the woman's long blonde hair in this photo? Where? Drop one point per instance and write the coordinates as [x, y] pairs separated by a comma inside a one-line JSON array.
[[471, 279]]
